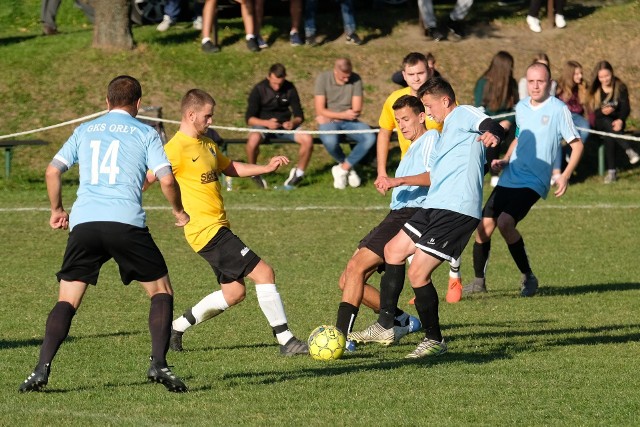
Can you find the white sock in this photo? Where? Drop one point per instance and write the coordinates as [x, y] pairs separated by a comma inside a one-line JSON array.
[[210, 306], [454, 268], [249, 37], [299, 172], [206, 39], [273, 309]]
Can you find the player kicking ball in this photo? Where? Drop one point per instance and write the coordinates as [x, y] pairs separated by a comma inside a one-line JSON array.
[[197, 164], [449, 214], [411, 184]]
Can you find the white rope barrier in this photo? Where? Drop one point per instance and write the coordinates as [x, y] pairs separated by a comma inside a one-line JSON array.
[[247, 130]]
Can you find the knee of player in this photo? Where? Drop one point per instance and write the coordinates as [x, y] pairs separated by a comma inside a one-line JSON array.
[[506, 224]]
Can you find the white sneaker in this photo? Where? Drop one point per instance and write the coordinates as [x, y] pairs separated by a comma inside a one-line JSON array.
[[165, 24], [633, 156], [494, 180], [560, 22], [534, 24], [197, 23], [339, 177], [353, 179]]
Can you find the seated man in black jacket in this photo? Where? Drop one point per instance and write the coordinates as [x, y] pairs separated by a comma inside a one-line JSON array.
[[274, 104]]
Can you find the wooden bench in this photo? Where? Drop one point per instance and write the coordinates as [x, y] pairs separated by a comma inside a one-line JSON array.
[[8, 146]]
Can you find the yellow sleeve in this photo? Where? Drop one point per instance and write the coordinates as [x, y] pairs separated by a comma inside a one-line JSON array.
[[223, 161], [387, 120], [172, 150]]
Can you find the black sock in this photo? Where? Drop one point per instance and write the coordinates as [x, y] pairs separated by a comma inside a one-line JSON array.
[[160, 316], [56, 330], [347, 314], [427, 308], [519, 254], [481, 257], [391, 286]]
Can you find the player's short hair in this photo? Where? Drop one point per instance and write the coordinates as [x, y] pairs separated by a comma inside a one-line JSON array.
[[437, 86], [409, 101], [543, 66], [413, 58], [278, 70], [344, 65], [124, 91], [196, 99]]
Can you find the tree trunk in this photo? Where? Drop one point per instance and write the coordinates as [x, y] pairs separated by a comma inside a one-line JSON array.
[[112, 28]]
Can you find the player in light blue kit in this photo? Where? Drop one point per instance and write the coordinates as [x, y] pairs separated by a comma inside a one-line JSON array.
[[410, 188], [449, 214], [107, 221], [542, 122]]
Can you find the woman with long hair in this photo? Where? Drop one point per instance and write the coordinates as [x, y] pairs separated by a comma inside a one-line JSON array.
[[610, 103], [573, 90], [497, 92]]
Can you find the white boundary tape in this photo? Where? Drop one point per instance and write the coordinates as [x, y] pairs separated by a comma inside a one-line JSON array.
[[247, 130]]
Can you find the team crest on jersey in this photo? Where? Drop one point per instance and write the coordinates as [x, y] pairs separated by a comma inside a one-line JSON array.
[[545, 120]]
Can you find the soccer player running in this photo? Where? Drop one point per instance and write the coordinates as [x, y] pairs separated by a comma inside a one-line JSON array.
[[450, 213], [542, 122], [197, 164], [107, 221], [412, 187], [416, 71]]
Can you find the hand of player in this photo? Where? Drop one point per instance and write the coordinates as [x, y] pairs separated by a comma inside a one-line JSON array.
[[182, 218], [488, 139], [562, 184], [498, 164], [384, 184], [273, 124], [59, 220], [350, 114], [379, 179], [276, 162]]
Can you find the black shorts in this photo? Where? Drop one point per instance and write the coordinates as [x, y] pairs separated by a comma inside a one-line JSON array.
[[386, 230], [230, 259], [516, 202], [441, 233], [91, 244]]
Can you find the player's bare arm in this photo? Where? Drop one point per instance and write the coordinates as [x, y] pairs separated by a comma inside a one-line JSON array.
[[171, 191], [240, 169], [562, 182], [59, 217], [422, 180]]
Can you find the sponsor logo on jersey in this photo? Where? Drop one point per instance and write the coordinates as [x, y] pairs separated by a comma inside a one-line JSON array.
[[194, 159], [208, 177], [244, 251]]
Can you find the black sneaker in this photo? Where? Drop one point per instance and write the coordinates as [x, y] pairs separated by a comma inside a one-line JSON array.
[[37, 380], [252, 45], [293, 179], [435, 34], [259, 181], [164, 376], [209, 47], [354, 39], [294, 347], [456, 30], [175, 342]]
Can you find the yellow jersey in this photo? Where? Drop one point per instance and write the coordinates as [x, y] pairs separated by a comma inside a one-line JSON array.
[[388, 121], [197, 164]]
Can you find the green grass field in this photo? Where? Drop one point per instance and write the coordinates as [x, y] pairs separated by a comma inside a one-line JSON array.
[[565, 357]]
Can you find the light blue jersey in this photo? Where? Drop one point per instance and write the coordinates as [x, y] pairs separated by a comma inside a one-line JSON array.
[[414, 162], [457, 164], [540, 130], [113, 153]]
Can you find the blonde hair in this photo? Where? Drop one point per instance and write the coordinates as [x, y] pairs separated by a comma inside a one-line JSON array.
[[566, 85]]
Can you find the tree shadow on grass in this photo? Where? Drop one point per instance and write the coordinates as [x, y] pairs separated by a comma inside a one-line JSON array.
[[588, 288], [5, 41], [6, 344]]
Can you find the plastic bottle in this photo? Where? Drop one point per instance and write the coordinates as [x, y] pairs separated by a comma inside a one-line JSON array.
[[228, 182]]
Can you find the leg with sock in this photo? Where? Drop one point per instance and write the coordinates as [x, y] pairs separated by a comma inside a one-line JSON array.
[[427, 306], [528, 282], [209, 307], [481, 253]]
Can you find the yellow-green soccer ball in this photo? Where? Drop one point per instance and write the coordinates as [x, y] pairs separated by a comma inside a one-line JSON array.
[[326, 343]]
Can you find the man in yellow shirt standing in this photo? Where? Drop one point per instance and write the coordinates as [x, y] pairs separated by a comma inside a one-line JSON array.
[[416, 71], [197, 163]]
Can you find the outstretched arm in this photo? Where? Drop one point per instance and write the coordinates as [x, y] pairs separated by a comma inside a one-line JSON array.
[[385, 184], [562, 182], [245, 169]]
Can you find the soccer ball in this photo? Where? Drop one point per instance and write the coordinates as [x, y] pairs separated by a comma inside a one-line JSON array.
[[326, 343]]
